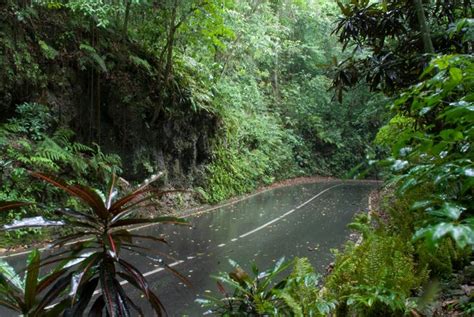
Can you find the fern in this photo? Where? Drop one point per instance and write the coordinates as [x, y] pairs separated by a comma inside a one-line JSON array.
[[139, 62], [301, 292], [52, 151], [94, 57]]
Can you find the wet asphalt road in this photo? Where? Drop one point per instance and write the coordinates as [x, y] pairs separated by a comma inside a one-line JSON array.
[[305, 220]]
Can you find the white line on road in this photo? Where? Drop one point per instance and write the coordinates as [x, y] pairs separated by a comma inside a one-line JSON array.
[[288, 213]]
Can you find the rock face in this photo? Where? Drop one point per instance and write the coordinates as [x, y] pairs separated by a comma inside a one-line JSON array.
[[106, 89]]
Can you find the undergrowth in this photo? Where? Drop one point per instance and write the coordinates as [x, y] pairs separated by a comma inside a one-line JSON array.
[[32, 141]]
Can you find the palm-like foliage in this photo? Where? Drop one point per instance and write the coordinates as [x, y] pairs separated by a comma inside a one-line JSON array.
[[93, 255]]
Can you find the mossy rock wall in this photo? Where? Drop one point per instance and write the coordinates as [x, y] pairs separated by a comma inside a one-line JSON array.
[[107, 89]]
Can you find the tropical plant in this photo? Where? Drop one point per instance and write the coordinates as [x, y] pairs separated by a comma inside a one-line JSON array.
[[377, 276], [250, 295], [393, 40], [100, 236], [302, 293], [263, 295], [437, 150]]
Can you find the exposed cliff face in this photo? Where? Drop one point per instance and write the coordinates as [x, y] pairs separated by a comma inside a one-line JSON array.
[[107, 89]]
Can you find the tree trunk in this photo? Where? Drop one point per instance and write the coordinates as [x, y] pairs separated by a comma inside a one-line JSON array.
[[127, 15], [424, 28], [169, 61]]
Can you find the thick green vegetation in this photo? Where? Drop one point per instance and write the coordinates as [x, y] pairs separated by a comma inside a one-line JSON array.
[[418, 53], [250, 78], [224, 96]]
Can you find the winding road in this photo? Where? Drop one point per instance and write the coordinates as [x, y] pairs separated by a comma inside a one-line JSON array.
[[306, 220]]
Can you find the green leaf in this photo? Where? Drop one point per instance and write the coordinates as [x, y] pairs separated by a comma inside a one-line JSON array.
[[456, 74], [462, 234], [31, 279], [448, 210], [9, 273]]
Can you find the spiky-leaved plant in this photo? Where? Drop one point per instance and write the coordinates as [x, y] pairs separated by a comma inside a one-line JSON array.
[[94, 249]]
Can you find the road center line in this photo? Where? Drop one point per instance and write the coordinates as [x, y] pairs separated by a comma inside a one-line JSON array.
[[243, 235], [287, 213]]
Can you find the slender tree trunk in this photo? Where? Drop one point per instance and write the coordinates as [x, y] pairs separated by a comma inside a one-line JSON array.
[[424, 28], [169, 60], [171, 36], [127, 15]]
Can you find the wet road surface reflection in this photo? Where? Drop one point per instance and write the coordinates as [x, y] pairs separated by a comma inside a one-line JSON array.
[[262, 228], [204, 249]]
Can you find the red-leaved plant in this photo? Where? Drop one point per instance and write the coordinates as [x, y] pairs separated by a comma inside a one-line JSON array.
[[89, 266]]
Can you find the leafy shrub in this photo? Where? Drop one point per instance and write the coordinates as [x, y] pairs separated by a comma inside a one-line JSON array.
[[402, 221], [250, 295], [31, 295], [262, 295], [438, 151], [32, 141], [376, 277], [302, 293]]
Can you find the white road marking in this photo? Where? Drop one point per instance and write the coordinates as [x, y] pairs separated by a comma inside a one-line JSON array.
[[154, 224], [288, 213], [248, 233], [148, 225]]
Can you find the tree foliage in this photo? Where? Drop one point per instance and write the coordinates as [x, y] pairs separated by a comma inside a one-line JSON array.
[[386, 41]]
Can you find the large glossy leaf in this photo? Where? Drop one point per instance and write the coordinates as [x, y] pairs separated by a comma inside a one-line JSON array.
[[152, 298], [31, 279], [11, 305], [87, 195], [97, 307], [33, 222], [448, 210], [85, 272], [137, 198], [80, 236], [129, 222], [462, 234], [86, 291], [114, 301], [111, 192], [80, 216], [57, 309], [47, 281], [53, 293], [136, 275]]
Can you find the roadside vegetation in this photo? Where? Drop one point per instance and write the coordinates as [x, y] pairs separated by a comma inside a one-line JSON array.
[[224, 96]]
